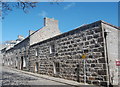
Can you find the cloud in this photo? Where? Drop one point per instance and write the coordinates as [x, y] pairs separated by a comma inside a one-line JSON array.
[[69, 5], [43, 14]]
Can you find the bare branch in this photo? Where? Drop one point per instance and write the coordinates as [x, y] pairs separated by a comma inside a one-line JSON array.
[[25, 5], [8, 6]]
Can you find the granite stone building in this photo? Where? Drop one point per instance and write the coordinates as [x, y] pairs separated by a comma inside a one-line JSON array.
[[87, 54]]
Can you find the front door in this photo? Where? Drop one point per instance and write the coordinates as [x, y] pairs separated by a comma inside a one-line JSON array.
[[21, 63], [77, 71], [36, 67]]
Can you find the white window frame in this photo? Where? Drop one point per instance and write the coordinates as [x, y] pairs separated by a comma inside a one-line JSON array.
[[52, 48], [36, 51], [24, 62], [55, 67]]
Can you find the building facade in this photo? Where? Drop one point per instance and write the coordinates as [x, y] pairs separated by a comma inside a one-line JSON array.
[[87, 54]]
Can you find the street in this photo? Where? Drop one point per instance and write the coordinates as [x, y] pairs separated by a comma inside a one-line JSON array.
[[12, 77]]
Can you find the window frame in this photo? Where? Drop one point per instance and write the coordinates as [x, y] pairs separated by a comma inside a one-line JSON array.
[[36, 52], [56, 67], [52, 48]]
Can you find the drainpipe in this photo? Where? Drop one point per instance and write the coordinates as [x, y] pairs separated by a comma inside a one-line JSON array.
[[108, 68]]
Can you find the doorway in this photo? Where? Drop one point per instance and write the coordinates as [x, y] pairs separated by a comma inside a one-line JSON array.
[[36, 67], [16, 62], [77, 71], [21, 63]]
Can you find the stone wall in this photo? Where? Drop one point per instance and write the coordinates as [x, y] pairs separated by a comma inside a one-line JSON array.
[[69, 49], [8, 57], [21, 50], [13, 56], [86, 54]]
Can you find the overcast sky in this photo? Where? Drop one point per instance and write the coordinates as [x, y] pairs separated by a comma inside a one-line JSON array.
[[69, 14]]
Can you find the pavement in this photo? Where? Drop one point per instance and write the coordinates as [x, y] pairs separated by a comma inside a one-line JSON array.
[[38, 79]]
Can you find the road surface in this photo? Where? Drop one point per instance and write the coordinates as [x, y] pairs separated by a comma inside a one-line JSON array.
[[12, 77]]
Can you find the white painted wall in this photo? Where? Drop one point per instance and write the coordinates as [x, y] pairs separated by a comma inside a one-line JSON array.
[[112, 49]]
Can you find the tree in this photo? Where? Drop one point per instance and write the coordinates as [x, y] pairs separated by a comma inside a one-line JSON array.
[[21, 4], [8, 6]]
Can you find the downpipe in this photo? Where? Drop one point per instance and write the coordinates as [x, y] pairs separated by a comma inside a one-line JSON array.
[[108, 67]]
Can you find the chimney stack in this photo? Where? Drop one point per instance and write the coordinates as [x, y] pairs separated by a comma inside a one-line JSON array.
[[31, 31], [20, 37], [50, 22]]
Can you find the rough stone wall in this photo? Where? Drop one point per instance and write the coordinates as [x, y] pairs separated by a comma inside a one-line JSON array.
[[8, 58], [19, 50], [69, 48], [22, 50]]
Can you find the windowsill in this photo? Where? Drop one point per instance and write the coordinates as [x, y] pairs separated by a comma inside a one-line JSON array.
[[56, 74], [51, 54]]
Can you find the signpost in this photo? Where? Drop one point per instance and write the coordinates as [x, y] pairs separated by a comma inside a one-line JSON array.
[[84, 57], [117, 63]]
